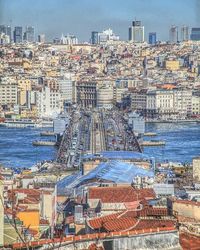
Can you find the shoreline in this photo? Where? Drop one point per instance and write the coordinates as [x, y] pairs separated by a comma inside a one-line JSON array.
[[173, 121]]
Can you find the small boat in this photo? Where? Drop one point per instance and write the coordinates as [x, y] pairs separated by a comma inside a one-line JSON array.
[[152, 143], [44, 143], [150, 134], [47, 133]]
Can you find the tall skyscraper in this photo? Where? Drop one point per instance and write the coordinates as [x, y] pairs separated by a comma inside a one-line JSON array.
[[17, 34], [184, 33], [173, 34], [136, 32], [41, 38], [95, 37], [6, 30], [195, 34], [29, 34], [152, 38]]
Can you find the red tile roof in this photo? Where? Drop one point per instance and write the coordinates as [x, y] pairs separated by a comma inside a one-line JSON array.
[[130, 219], [44, 222], [153, 211], [189, 241], [120, 194], [153, 223], [187, 202], [120, 224], [99, 221]]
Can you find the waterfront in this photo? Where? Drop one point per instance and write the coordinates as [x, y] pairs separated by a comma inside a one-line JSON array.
[[182, 141], [182, 144], [16, 149]]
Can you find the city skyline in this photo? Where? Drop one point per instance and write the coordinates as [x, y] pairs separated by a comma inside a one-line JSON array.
[[80, 18]]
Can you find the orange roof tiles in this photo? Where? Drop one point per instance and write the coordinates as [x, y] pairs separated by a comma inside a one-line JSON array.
[[153, 223], [123, 222], [129, 219], [187, 202], [120, 194], [120, 224], [189, 241], [99, 221]]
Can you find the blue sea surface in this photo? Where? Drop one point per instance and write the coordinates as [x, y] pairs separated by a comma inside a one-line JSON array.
[[182, 141], [182, 144], [16, 149]]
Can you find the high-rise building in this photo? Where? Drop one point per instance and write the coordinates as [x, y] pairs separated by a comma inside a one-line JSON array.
[[152, 38], [136, 32], [17, 34], [4, 39], [29, 34], [173, 34], [195, 34], [95, 37], [41, 38], [6, 30], [68, 39], [103, 37], [184, 33]]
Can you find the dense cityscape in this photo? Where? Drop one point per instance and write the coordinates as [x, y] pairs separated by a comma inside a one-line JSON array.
[[99, 140]]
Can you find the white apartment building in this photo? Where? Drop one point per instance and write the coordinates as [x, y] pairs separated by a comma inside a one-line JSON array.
[[67, 89], [183, 102], [48, 102], [105, 96], [8, 93], [118, 94], [167, 104], [195, 105], [160, 104]]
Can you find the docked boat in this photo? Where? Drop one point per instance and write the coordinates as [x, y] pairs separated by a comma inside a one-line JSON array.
[[44, 143], [18, 123], [150, 134], [24, 123], [47, 133], [45, 124], [152, 143]]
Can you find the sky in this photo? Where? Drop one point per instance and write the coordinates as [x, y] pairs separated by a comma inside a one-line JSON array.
[[80, 17]]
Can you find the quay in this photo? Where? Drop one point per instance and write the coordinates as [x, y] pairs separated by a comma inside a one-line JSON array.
[[173, 121]]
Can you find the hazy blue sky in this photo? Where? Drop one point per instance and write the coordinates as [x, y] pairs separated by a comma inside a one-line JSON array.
[[80, 17]]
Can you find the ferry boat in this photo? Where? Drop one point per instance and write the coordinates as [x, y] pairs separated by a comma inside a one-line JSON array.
[[18, 123], [152, 143], [24, 123]]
